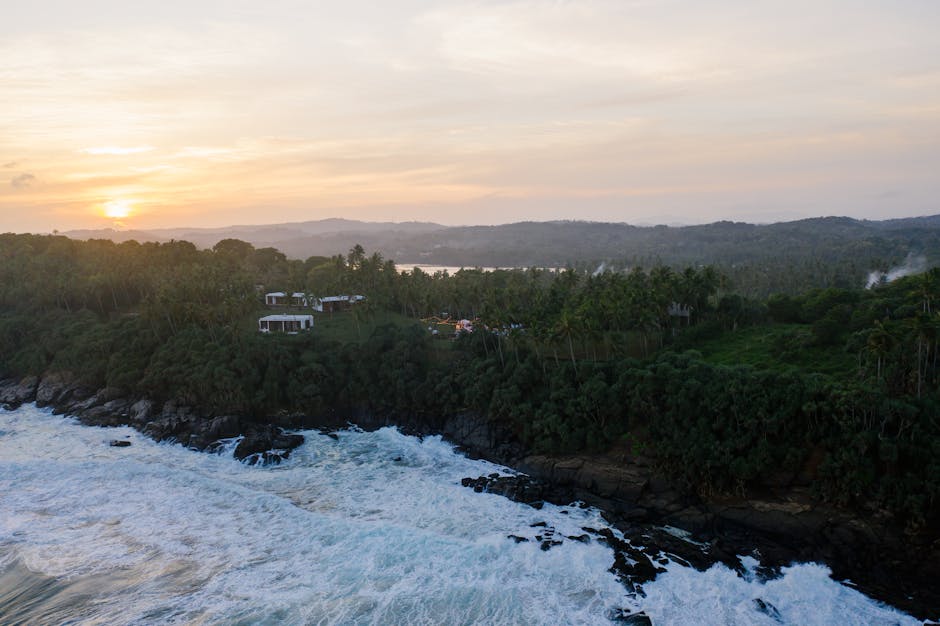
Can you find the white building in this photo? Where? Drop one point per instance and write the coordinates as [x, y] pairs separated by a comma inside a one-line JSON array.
[[329, 304], [275, 298], [291, 324], [279, 298]]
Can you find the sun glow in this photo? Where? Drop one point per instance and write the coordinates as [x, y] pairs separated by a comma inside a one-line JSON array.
[[117, 209]]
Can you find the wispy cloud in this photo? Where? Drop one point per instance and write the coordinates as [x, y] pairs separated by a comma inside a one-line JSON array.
[[23, 181], [117, 150]]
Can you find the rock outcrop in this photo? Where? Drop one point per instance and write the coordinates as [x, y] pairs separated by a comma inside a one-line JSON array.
[[262, 443]]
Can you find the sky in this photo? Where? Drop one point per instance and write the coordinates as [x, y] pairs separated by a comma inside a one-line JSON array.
[[211, 113]]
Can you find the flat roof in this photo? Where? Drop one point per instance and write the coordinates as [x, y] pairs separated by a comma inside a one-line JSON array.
[[285, 318], [340, 298]]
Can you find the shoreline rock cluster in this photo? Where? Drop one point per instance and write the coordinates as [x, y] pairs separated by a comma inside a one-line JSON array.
[[780, 526], [261, 441]]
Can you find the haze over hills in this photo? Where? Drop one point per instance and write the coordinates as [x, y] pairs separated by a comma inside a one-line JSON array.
[[867, 244]]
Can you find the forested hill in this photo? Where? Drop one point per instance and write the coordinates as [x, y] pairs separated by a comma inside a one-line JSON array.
[[759, 259]]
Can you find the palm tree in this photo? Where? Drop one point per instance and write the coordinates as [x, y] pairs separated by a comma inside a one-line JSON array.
[[566, 327], [880, 343], [924, 329]]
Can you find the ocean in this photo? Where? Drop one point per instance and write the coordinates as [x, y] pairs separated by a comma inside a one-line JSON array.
[[354, 528]]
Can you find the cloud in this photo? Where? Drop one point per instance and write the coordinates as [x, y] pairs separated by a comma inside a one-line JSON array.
[[118, 150], [10, 165], [23, 181]]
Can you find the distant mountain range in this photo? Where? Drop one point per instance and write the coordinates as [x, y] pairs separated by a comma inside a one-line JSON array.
[[555, 244]]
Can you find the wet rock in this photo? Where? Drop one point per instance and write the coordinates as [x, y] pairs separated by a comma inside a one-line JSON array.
[[767, 609], [264, 439], [140, 411], [633, 619], [517, 538], [119, 443], [518, 488], [13, 394], [72, 399], [631, 565], [224, 427], [269, 457], [174, 423], [108, 394], [52, 388]]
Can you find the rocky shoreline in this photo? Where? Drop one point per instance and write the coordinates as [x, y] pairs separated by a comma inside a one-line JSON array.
[[782, 525]]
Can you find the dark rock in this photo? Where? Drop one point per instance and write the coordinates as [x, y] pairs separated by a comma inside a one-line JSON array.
[[265, 439], [72, 399], [108, 394], [14, 394], [517, 538], [267, 458], [631, 565], [119, 443], [140, 412], [224, 427], [52, 388], [176, 423], [767, 609], [519, 488], [99, 416], [633, 619]]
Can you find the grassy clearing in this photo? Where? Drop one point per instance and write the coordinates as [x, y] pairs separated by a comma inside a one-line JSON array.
[[348, 327], [778, 346]]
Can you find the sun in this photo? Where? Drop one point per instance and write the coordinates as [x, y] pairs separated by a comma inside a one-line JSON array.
[[117, 209]]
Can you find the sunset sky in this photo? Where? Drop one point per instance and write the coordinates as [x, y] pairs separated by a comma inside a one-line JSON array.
[[210, 113]]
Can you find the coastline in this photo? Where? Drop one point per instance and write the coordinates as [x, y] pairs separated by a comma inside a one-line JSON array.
[[783, 524]]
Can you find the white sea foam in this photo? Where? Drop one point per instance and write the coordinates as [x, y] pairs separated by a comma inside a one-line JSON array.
[[369, 528]]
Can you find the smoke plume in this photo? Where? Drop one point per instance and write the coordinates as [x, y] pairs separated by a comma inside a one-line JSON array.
[[913, 264]]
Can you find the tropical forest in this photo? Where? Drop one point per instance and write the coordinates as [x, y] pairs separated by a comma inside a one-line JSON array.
[[725, 390]]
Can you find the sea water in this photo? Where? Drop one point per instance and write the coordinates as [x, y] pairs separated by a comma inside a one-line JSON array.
[[355, 528]]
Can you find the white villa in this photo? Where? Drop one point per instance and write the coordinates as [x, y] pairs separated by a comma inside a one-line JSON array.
[[328, 304], [291, 324]]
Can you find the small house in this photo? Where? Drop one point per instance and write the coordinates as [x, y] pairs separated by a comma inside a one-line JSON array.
[[329, 304], [290, 324], [275, 298], [279, 298]]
